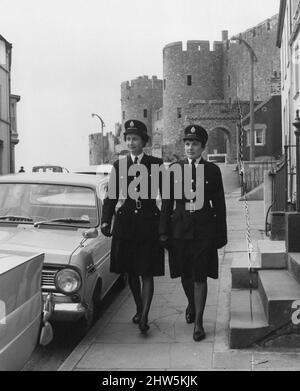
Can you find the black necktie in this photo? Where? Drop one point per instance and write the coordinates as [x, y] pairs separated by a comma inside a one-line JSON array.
[[136, 161], [194, 174]]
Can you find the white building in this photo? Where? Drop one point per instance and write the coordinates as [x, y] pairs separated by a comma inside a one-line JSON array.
[[8, 111], [288, 40]]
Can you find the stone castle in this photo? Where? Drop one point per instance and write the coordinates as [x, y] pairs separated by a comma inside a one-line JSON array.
[[202, 85]]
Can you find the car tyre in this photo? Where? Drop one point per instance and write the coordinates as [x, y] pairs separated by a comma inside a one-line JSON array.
[[93, 313]]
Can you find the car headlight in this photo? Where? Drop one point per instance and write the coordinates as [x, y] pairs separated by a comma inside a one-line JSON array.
[[68, 281]]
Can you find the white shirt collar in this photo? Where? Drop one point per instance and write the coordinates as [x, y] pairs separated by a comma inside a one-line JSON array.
[[197, 160], [140, 157]]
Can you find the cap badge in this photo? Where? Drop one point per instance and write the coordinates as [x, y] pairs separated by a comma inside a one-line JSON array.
[[193, 130], [131, 124]]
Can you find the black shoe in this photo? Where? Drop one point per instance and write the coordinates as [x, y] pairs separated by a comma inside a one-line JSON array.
[[189, 316], [143, 326], [199, 335], [136, 319]]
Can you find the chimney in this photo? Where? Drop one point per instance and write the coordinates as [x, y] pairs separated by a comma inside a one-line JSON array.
[[224, 35]]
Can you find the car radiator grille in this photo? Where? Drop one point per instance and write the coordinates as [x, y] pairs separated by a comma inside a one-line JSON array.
[[48, 276]]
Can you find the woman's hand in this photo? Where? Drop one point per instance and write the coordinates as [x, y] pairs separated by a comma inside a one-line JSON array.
[[164, 241], [105, 229]]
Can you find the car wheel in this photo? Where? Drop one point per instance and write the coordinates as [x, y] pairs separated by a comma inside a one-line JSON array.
[[97, 300], [93, 312], [87, 321]]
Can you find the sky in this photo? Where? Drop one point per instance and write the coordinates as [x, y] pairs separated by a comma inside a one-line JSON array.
[[71, 56]]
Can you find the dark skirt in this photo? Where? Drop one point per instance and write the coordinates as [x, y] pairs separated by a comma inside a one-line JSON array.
[[137, 257], [193, 259]]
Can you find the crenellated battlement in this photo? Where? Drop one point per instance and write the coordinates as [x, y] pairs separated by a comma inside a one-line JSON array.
[[267, 26], [192, 46], [142, 82]]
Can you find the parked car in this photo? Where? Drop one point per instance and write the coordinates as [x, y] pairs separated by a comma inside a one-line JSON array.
[[59, 215], [22, 322], [49, 168], [102, 169]]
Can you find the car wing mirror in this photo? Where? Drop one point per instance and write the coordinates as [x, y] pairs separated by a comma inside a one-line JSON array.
[[90, 234]]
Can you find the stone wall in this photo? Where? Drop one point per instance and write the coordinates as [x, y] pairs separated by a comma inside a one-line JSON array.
[[203, 66], [96, 148], [140, 95], [236, 64]]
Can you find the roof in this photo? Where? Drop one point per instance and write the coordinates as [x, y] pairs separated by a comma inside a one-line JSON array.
[[280, 22], [264, 103], [54, 178], [6, 42]]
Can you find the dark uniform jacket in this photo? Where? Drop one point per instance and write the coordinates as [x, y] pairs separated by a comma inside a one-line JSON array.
[[207, 223], [132, 222]]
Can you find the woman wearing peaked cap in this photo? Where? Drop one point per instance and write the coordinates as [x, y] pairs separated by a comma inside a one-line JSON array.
[[193, 236], [135, 249]]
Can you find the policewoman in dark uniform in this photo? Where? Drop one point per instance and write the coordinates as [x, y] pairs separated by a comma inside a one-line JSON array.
[[194, 236], [135, 248]]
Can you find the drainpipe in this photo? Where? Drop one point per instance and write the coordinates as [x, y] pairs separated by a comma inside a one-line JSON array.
[[10, 165]]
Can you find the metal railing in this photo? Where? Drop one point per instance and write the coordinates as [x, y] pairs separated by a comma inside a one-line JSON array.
[[279, 187], [253, 175], [283, 177]]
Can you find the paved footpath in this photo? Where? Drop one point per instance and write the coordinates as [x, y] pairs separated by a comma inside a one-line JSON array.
[[115, 343]]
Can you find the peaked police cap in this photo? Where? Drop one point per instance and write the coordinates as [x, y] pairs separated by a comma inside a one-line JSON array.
[[196, 132], [134, 126]]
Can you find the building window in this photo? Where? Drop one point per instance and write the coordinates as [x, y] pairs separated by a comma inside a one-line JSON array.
[[145, 113], [259, 137], [165, 84], [189, 80], [229, 81], [123, 115], [268, 25], [179, 112], [254, 32]]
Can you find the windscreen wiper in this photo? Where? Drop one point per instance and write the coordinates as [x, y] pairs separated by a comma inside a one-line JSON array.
[[62, 221], [16, 218]]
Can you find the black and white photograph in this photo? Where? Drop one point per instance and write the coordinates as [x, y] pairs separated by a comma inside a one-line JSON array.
[[149, 189]]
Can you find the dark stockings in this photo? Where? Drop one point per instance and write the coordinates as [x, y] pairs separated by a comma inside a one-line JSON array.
[[142, 294], [196, 293], [135, 287], [188, 287], [147, 296], [200, 301]]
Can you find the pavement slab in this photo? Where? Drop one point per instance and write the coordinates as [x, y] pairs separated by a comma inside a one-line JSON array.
[[233, 360], [130, 356], [191, 355]]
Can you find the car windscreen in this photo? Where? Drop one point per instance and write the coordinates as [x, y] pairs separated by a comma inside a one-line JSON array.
[[42, 202], [47, 169]]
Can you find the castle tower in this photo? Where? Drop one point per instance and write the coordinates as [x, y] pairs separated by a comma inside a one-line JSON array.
[[236, 64], [140, 98], [190, 75]]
